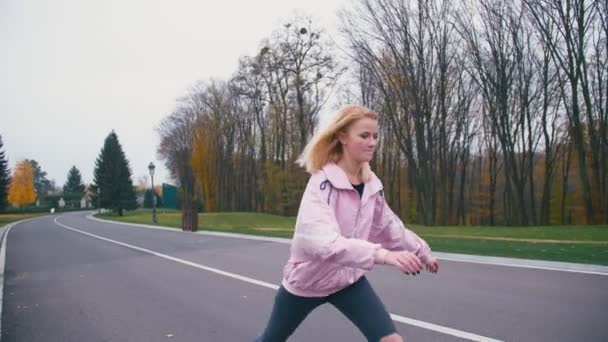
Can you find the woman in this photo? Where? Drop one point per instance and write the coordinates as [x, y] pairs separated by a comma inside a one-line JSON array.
[[344, 227]]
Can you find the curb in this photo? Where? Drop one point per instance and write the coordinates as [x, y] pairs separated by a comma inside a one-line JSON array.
[[4, 230], [470, 258], [3, 237], [525, 263], [177, 230]]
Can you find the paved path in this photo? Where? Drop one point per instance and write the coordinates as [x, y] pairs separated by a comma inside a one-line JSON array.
[[69, 278]]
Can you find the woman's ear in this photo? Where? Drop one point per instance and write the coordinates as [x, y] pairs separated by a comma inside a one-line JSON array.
[[342, 137]]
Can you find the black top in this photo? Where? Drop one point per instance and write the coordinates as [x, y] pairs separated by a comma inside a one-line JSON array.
[[359, 188]]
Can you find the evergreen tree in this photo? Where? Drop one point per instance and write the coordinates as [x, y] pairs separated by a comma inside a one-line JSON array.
[[5, 178], [41, 184], [74, 184], [112, 176], [93, 188], [73, 189]]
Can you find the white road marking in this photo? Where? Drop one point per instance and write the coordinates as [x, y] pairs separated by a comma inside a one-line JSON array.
[[2, 263], [465, 258], [395, 317]]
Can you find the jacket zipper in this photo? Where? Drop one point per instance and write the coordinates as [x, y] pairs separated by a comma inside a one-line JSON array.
[[357, 218], [358, 213]]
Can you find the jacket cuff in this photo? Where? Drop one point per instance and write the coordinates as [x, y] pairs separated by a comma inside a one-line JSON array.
[[380, 256], [423, 253]]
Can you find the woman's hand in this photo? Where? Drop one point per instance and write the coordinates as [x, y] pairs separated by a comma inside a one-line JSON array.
[[431, 264], [407, 262]]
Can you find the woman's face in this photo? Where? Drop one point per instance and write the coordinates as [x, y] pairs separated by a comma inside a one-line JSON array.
[[360, 139]]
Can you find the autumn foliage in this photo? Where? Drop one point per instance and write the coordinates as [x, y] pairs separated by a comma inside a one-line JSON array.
[[21, 190]]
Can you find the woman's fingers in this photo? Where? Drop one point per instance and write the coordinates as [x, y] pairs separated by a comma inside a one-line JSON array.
[[404, 266], [415, 261], [409, 263], [414, 266], [433, 267]]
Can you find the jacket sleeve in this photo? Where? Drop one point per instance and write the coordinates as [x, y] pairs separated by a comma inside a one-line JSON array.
[[317, 235], [391, 233]]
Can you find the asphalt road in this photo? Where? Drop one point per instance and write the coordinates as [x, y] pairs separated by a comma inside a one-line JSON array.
[[68, 278]]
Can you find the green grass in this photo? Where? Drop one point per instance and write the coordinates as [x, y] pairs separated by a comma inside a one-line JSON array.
[[8, 218], [526, 242], [577, 233], [236, 222], [580, 253]]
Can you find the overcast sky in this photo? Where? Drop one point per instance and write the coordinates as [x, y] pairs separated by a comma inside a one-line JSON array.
[[73, 70]]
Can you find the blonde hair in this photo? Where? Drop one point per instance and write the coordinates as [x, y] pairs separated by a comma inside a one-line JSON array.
[[325, 146]]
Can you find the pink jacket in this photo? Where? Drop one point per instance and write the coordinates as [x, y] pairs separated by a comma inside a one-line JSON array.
[[339, 236]]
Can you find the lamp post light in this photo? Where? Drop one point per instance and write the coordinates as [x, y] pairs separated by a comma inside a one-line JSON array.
[[151, 167]]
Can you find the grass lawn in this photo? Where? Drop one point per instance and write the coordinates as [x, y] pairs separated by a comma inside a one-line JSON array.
[[582, 244], [247, 223], [8, 218]]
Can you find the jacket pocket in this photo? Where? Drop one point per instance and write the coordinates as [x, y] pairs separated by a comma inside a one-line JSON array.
[[315, 275]]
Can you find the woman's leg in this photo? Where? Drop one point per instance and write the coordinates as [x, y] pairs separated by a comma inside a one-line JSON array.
[[287, 313], [360, 304]]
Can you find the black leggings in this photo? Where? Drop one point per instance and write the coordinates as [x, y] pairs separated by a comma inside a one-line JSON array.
[[358, 302]]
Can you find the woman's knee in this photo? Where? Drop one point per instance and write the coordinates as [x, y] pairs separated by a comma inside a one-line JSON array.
[[392, 338]]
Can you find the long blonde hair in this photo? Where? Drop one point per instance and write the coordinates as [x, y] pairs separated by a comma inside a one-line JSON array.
[[325, 146]]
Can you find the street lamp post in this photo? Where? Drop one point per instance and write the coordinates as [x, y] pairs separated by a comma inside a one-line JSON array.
[[151, 167]]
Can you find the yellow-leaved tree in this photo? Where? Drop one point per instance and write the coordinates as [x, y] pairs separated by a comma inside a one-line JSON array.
[[204, 163], [21, 190]]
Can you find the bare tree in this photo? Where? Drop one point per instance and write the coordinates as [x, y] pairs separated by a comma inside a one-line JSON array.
[[551, 121], [566, 26], [467, 126], [293, 76], [500, 54], [308, 58], [408, 49], [248, 86], [599, 85], [176, 149]]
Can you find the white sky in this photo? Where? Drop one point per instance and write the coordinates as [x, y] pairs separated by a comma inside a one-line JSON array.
[[73, 70]]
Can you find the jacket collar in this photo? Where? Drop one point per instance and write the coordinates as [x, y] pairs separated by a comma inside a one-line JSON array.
[[338, 179]]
